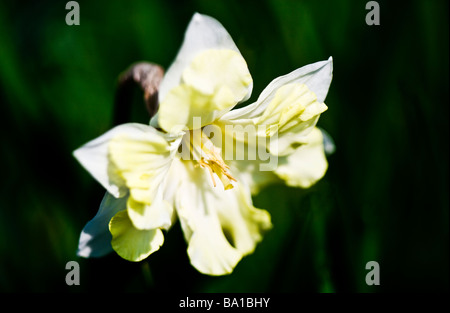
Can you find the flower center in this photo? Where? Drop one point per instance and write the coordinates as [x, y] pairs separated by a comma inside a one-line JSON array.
[[207, 155]]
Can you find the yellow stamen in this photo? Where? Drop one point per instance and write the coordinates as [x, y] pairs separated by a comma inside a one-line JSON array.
[[204, 164], [209, 156]]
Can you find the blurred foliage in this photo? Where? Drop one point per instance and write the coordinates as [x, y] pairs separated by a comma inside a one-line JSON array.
[[384, 198]]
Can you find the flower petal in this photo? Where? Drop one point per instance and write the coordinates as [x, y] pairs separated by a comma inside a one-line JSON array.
[[220, 226], [210, 86], [317, 77], [307, 164], [255, 173], [95, 238], [142, 159], [203, 33], [186, 107], [209, 251], [130, 243], [211, 69], [156, 215], [291, 114], [94, 158]]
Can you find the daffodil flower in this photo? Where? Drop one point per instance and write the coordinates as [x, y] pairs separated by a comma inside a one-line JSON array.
[[178, 166]]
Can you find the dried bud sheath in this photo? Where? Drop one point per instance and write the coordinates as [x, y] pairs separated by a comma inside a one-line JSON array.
[[147, 76]]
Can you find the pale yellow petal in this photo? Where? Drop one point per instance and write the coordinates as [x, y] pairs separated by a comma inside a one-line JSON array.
[[214, 81], [292, 104], [130, 243], [209, 251], [220, 226], [316, 76], [212, 69], [291, 115], [186, 108], [158, 214], [142, 160], [203, 33], [306, 165]]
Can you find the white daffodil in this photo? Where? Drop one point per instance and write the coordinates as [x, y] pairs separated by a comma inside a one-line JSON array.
[[180, 165]]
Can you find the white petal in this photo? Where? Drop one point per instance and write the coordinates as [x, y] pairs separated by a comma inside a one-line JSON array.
[[316, 76], [95, 239], [94, 157], [203, 33]]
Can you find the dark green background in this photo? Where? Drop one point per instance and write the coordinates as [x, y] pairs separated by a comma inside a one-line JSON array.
[[384, 198]]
